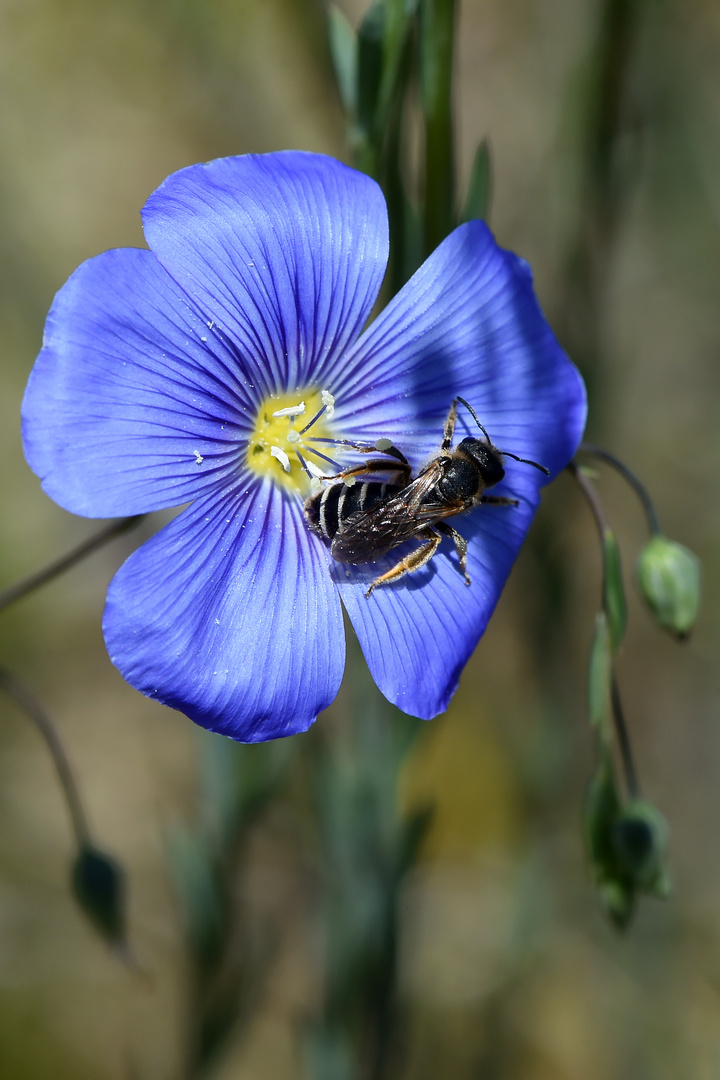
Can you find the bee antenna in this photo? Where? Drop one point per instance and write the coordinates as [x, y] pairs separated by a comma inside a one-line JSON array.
[[525, 461], [474, 415]]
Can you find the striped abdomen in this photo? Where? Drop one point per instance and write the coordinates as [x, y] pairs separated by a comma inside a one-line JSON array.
[[327, 511]]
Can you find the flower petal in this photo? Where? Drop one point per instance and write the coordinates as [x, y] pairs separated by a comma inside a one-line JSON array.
[[466, 323], [285, 252], [229, 614], [133, 404], [418, 633]]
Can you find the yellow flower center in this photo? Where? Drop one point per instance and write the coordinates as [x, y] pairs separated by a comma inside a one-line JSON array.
[[278, 445]]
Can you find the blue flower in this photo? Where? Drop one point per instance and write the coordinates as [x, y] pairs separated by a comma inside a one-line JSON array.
[[160, 381]]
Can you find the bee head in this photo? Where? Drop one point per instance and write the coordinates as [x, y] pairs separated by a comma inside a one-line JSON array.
[[487, 458]]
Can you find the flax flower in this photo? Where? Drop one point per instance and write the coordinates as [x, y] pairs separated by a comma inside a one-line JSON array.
[[186, 374]]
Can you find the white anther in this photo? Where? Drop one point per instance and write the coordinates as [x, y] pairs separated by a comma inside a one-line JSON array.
[[198, 457], [315, 485], [383, 444], [350, 481], [329, 402], [293, 436], [292, 410], [282, 457], [314, 471]]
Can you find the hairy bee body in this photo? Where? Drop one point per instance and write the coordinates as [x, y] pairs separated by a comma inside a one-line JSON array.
[[331, 512], [364, 520]]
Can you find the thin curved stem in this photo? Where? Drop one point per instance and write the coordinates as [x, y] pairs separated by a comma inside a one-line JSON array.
[[32, 707], [592, 497], [66, 562], [623, 738], [634, 481]]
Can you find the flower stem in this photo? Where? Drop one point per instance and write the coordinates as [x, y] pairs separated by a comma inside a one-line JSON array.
[[621, 729], [623, 738], [634, 481], [30, 705], [66, 562], [598, 512]]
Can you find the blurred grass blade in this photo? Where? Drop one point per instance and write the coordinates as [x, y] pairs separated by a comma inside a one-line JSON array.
[[370, 66], [437, 34], [344, 53], [477, 203]]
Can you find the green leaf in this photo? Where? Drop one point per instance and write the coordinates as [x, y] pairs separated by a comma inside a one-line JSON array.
[[370, 64], [98, 884], [344, 53], [614, 598], [669, 578], [477, 203], [600, 678]]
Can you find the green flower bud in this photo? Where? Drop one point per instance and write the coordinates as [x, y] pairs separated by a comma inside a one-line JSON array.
[[618, 899], [98, 882], [639, 837], [669, 579]]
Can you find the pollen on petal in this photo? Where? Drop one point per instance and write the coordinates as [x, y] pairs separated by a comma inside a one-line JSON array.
[[277, 452], [198, 457], [291, 410]]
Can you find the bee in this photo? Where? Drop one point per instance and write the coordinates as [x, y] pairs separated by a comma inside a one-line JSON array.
[[366, 520]]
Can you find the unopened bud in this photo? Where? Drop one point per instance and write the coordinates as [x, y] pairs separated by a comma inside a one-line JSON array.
[[640, 835], [98, 882], [669, 579]]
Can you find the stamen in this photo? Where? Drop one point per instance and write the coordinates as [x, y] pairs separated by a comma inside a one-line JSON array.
[[315, 486], [314, 471], [329, 401], [303, 463], [314, 420], [293, 435], [329, 460], [281, 456], [291, 410]]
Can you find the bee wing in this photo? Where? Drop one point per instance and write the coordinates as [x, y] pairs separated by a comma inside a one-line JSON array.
[[368, 535]]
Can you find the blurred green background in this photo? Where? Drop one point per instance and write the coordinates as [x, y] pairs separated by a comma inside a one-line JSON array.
[[507, 966]]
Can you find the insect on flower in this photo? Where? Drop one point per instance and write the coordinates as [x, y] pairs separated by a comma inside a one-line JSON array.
[[183, 376], [365, 521]]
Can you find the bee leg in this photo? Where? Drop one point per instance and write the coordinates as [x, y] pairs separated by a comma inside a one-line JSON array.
[[369, 467], [498, 500], [373, 448], [460, 546], [412, 562]]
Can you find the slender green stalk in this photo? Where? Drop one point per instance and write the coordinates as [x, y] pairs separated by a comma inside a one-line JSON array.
[[30, 705], [595, 504], [634, 481], [623, 738], [66, 562]]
